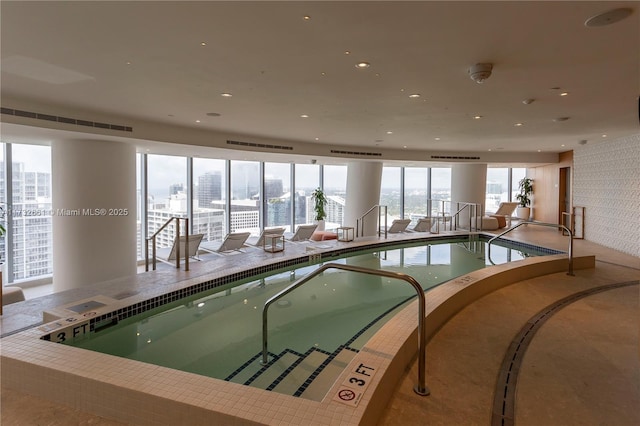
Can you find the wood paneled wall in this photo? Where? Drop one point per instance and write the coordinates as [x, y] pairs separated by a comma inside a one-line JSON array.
[[546, 188]]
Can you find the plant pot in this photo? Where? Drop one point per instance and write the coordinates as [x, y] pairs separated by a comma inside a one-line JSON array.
[[523, 213], [320, 225]]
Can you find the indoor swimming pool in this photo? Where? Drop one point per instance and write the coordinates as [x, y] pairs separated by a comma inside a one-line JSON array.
[[312, 331]]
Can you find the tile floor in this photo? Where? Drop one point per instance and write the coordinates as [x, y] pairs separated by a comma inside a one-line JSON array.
[[581, 368]]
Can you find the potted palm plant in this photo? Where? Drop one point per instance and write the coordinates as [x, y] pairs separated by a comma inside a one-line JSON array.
[[319, 202], [525, 186]]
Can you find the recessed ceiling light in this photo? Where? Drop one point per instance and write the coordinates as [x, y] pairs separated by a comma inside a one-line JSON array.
[[377, 74], [437, 139], [197, 121], [414, 95], [346, 52], [604, 136], [203, 44], [323, 73], [363, 65], [226, 95], [528, 101], [306, 17], [539, 150], [317, 139], [564, 93], [477, 117], [405, 146], [489, 150], [518, 124], [389, 132], [304, 116], [128, 62]]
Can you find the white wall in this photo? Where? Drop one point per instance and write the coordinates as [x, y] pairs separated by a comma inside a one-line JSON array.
[[607, 183]]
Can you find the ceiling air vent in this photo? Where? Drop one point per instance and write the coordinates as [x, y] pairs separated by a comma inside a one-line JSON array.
[[453, 157], [366, 154], [65, 120], [260, 145]]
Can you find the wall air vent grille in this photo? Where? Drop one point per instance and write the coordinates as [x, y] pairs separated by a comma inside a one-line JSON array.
[[453, 157], [65, 120], [366, 154], [260, 145]]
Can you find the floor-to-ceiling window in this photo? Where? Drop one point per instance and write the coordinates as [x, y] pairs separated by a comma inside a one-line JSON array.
[[335, 188], [245, 196], [209, 198], [441, 190], [391, 192], [278, 196], [517, 174], [307, 179], [27, 247], [416, 193], [4, 208], [497, 188], [140, 236], [167, 195]]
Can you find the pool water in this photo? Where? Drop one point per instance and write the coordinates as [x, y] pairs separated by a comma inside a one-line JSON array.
[[220, 334]]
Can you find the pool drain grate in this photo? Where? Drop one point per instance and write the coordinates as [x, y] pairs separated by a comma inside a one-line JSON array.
[[504, 395]]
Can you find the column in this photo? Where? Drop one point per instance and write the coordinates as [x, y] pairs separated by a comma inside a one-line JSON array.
[[94, 212], [363, 192], [469, 185]]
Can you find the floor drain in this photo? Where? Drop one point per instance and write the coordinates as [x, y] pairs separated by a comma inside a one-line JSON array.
[[504, 400]]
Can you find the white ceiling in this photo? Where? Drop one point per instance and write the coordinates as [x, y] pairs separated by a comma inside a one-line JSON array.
[[146, 61]]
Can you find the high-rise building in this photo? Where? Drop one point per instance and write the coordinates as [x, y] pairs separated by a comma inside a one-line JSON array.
[[176, 188], [31, 223], [209, 188]]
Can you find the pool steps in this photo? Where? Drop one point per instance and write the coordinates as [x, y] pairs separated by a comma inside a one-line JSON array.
[[309, 375]]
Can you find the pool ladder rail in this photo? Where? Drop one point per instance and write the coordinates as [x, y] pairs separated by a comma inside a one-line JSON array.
[[420, 388], [552, 225]]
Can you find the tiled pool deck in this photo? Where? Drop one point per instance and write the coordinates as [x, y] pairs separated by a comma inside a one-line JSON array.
[[148, 387]]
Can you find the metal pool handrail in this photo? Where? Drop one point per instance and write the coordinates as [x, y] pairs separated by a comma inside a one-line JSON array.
[[553, 225], [420, 388], [360, 221]]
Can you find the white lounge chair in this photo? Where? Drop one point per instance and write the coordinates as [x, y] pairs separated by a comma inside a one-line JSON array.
[[259, 242], [234, 241], [505, 210], [424, 225], [399, 225], [303, 232], [169, 255]]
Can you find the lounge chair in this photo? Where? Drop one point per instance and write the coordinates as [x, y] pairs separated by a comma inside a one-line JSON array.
[[505, 211], [399, 225], [169, 255], [259, 242], [303, 232], [234, 241], [423, 225]]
